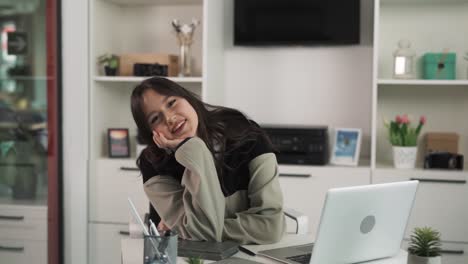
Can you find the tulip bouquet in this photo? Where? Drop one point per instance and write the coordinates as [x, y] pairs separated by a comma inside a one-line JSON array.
[[401, 133]]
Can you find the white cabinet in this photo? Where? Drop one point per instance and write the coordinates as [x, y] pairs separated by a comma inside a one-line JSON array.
[[23, 251], [114, 181], [104, 246], [23, 234], [441, 201], [304, 187]]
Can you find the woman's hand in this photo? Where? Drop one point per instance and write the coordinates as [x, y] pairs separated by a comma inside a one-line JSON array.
[[162, 226], [164, 143]]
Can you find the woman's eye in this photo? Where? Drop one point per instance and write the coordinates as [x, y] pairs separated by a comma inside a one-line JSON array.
[[154, 119], [171, 102]]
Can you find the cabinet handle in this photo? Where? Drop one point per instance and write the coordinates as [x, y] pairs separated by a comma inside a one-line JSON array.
[[16, 249], [129, 169], [439, 181], [453, 252], [11, 217], [124, 233], [294, 175]]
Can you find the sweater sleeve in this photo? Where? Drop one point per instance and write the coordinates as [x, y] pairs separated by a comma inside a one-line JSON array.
[[194, 207], [264, 221]]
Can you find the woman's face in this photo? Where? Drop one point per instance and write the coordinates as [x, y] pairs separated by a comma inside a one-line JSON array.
[[171, 116]]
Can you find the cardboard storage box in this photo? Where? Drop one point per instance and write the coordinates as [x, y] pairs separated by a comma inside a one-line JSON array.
[[441, 142], [127, 61]]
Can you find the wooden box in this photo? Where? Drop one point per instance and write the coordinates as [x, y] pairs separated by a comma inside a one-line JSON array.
[[441, 142], [127, 61]]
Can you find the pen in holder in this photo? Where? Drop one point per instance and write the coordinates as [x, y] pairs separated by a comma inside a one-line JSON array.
[[160, 249]]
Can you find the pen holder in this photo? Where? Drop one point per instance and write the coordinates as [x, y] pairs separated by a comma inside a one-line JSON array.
[[160, 249]]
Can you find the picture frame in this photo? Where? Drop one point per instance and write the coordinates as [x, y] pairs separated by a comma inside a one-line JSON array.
[[346, 146], [118, 142]]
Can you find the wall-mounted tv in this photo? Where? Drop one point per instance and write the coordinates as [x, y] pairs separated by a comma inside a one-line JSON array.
[[296, 22]]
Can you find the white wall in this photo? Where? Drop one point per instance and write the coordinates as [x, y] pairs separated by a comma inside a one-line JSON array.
[[308, 85], [75, 128]]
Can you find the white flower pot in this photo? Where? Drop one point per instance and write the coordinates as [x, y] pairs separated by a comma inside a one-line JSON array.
[[404, 157], [413, 259]]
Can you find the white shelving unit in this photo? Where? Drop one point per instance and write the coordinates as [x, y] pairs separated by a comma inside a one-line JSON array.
[[431, 26], [137, 26]]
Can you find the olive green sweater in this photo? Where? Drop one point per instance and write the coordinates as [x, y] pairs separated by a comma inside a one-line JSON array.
[[197, 208]]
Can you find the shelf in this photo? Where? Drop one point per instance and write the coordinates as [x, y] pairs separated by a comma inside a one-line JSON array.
[[154, 2], [425, 2], [26, 78], [423, 173], [423, 82], [133, 79], [363, 164]]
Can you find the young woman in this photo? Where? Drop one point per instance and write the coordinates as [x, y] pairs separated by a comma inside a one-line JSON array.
[[209, 172]]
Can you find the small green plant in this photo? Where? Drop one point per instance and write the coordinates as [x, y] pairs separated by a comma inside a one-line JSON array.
[[400, 132], [195, 260], [425, 242], [109, 60]]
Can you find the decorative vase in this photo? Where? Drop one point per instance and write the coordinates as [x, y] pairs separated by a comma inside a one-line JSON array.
[[404, 157], [185, 39], [413, 259]]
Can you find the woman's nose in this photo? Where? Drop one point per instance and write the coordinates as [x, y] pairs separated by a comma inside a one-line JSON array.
[[171, 119]]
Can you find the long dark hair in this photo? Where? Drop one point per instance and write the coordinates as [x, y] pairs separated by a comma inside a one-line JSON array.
[[226, 128]]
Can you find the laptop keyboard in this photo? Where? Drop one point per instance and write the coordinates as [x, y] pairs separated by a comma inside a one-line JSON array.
[[303, 259]]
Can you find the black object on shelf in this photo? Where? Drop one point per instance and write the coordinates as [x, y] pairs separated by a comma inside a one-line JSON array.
[[110, 71], [148, 69], [307, 145], [443, 160]]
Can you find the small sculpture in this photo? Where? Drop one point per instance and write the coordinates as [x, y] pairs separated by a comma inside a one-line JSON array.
[[185, 39]]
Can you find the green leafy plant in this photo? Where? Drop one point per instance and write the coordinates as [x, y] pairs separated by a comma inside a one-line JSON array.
[[400, 132], [195, 260], [425, 242], [109, 60]]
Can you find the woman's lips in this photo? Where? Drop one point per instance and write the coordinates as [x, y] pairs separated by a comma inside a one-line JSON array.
[[179, 128]]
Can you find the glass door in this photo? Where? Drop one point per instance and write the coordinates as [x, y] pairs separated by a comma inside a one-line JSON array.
[[29, 128]]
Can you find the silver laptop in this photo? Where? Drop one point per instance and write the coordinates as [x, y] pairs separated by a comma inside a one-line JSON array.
[[357, 224]]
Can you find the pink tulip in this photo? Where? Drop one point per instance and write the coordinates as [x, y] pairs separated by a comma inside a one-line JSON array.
[[398, 119], [422, 120], [405, 119]]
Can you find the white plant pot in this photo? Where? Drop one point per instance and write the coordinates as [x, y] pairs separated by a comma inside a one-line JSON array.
[[404, 157], [413, 259]]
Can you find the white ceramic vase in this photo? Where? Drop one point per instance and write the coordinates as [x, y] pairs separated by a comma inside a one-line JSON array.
[[404, 157], [413, 259]]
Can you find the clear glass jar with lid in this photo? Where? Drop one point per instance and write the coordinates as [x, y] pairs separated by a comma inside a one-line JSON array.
[[404, 60]]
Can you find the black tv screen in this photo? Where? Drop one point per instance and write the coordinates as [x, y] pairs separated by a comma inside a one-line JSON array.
[[296, 22]]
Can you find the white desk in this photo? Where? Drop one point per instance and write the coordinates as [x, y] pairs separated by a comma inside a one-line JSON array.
[[132, 251]]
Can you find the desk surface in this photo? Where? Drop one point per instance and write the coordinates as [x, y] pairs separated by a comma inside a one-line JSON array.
[[132, 251]]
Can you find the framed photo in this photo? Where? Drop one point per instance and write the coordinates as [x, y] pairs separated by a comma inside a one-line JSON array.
[[118, 142], [346, 146]]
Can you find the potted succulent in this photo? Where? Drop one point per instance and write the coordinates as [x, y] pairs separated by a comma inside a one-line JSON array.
[[424, 246], [194, 260], [110, 63], [404, 140]]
